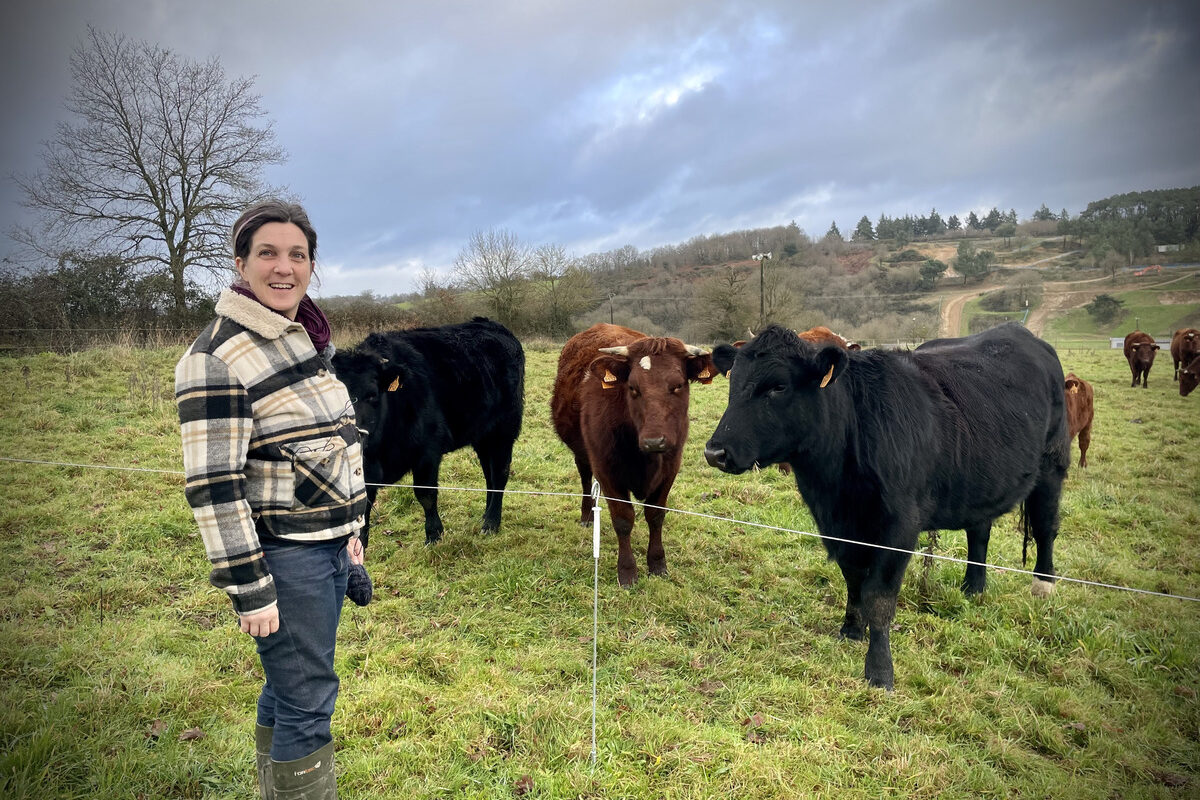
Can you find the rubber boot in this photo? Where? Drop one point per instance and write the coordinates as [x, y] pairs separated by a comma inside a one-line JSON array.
[[308, 778], [262, 761]]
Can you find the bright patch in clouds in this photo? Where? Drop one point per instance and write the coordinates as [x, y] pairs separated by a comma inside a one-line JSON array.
[[638, 99]]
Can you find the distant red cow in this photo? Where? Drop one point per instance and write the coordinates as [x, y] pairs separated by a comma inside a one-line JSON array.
[[1185, 345], [1079, 413], [1139, 352], [620, 404], [821, 335], [1189, 376], [818, 334]]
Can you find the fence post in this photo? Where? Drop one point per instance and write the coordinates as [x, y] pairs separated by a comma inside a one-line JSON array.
[[595, 601]]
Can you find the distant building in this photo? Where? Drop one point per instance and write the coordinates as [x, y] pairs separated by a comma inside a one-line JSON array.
[[1168, 248]]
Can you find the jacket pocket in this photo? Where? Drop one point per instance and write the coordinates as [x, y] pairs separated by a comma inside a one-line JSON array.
[[322, 472]]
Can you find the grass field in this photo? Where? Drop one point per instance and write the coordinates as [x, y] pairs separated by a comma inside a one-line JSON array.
[[124, 675]]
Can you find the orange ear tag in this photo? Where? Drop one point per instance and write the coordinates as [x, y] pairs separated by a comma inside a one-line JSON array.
[[395, 384], [828, 375], [608, 380], [704, 374]]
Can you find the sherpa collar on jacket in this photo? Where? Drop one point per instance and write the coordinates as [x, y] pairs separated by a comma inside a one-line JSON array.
[[253, 315]]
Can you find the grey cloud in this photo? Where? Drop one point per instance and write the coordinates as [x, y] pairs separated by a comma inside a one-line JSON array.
[[411, 125]]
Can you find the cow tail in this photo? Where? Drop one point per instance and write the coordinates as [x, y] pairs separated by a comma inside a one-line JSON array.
[[1027, 534]]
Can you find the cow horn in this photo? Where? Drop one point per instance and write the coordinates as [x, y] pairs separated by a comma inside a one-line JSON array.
[[693, 350], [616, 351]]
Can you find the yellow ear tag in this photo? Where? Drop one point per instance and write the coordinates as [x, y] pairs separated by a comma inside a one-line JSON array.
[[608, 379], [704, 374], [1074, 388], [828, 375], [395, 384]]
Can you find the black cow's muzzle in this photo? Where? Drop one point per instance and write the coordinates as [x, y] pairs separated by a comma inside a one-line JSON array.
[[716, 457]]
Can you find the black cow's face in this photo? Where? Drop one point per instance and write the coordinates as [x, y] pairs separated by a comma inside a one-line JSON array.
[[774, 399], [369, 378]]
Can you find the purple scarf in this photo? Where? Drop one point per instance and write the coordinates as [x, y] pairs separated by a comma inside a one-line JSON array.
[[312, 318]]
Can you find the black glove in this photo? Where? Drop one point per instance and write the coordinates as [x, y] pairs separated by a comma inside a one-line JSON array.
[[358, 586]]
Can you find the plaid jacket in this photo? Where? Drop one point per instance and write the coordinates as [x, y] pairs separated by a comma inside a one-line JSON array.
[[269, 444]]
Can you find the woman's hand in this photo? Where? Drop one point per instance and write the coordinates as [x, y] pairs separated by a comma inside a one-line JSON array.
[[355, 549], [264, 623]]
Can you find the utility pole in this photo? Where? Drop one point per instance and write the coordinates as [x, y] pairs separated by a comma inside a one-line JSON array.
[[761, 258]]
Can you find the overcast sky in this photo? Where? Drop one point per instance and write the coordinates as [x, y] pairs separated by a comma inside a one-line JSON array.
[[410, 125]]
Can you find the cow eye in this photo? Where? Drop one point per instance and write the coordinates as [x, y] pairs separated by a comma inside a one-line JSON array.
[[776, 390], [677, 388], [634, 393]]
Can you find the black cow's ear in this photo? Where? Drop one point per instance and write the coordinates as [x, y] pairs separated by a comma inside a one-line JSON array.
[[611, 371], [832, 361], [701, 368], [391, 374], [723, 356]]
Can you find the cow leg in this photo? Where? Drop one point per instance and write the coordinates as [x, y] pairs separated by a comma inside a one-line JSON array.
[[656, 555], [1041, 509], [879, 592], [852, 624], [426, 475], [621, 513], [975, 578], [1085, 440], [495, 458], [364, 535], [585, 480]]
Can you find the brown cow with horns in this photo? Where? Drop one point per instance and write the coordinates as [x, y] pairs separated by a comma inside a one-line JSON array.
[[621, 405]]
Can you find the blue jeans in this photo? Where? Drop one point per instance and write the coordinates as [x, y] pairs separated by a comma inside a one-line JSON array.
[[301, 686]]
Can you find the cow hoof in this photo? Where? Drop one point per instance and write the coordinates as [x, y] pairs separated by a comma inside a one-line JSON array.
[[487, 529], [1041, 588], [881, 683], [627, 579], [853, 633], [658, 569], [432, 538]]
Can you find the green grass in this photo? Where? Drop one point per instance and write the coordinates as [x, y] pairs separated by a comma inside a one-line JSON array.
[[469, 676]]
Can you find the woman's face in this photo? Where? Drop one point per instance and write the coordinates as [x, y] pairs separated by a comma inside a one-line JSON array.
[[277, 267]]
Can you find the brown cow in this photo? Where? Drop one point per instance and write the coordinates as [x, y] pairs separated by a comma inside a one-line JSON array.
[[1079, 413], [1189, 376], [621, 405], [822, 335], [1139, 352], [1185, 345]]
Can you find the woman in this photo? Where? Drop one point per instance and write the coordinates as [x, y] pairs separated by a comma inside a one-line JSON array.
[[275, 480]]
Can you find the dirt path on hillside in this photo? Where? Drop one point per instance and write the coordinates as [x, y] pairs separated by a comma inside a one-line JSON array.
[[952, 304], [1059, 297]]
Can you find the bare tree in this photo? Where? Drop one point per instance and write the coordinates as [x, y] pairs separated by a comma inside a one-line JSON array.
[[497, 266], [564, 289], [164, 153], [722, 310]]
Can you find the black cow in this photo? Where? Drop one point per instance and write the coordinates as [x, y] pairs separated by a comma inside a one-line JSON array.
[[425, 392], [885, 445]]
